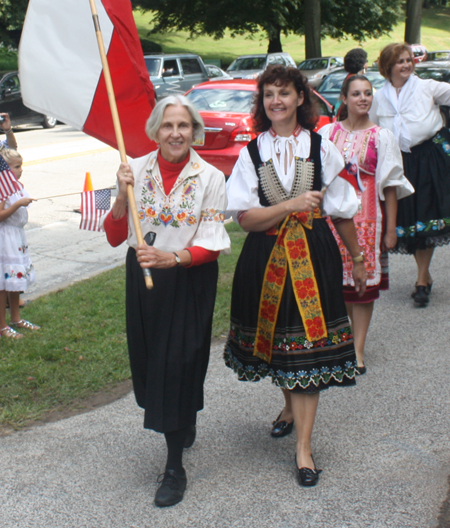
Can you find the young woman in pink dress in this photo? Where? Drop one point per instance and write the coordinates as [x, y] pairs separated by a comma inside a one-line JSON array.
[[381, 173]]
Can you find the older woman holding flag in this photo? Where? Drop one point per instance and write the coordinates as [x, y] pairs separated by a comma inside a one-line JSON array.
[[181, 201]]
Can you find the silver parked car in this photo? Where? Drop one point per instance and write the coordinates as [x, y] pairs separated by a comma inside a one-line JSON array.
[[250, 66], [316, 69]]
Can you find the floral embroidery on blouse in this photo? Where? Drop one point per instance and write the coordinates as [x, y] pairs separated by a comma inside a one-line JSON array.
[[166, 210], [213, 215]]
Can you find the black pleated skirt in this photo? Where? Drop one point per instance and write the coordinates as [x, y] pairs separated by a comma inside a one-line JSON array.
[[296, 364], [169, 339], [423, 219]]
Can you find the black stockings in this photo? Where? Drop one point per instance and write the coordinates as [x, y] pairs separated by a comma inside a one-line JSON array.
[[175, 442]]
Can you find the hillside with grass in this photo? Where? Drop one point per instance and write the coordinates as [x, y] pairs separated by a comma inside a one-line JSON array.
[[435, 36]]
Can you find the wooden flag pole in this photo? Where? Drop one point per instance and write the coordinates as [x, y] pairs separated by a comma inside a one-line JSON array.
[[119, 135]]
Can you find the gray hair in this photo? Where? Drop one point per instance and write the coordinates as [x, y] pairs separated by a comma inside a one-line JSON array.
[[154, 121]]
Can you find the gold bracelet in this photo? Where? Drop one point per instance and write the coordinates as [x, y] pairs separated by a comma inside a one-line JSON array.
[[359, 258]]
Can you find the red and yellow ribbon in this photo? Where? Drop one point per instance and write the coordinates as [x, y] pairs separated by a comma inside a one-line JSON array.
[[291, 249]]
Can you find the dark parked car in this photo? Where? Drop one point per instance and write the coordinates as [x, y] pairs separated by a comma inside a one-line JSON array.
[[330, 87], [11, 103], [175, 73]]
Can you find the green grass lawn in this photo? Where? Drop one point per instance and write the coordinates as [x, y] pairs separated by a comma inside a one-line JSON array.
[[435, 36], [81, 348]]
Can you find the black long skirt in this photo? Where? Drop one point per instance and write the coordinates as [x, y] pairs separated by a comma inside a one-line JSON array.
[[296, 364], [169, 339], [423, 219]]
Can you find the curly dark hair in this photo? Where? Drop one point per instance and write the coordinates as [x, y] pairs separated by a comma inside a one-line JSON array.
[[355, 60], [343, 114], [307, 113]]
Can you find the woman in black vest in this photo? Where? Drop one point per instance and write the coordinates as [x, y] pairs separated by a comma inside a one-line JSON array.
[[288, 316]]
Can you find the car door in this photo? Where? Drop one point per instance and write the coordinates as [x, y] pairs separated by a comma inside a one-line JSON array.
[[11, 98], [193, 72], [172, 78]]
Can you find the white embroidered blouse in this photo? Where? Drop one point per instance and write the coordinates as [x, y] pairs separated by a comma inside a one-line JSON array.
[[340, 198], [192, 214], [419, 112]]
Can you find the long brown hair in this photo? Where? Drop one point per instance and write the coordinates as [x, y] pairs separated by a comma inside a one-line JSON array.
[[307, 114]]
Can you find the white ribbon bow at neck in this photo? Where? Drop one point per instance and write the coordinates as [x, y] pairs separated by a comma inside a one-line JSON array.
[[286, 154], [398, 105]]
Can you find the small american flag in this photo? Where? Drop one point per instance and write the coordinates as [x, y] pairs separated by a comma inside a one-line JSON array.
[[8, 182], [94, 204]]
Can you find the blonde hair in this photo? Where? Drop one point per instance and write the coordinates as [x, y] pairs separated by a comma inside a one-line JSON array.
[[10, 155]]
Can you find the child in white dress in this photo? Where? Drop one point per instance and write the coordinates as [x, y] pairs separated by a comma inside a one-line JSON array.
[[16, 269]]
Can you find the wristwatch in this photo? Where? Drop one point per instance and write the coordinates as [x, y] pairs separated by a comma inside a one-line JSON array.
[[177, 258]]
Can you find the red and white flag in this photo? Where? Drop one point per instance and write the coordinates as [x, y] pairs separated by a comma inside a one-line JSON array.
[[351, 173], [61, 71], [8, 182], [94, 204]]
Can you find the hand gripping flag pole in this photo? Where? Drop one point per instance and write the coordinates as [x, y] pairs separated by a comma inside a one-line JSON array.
[[119, 135]]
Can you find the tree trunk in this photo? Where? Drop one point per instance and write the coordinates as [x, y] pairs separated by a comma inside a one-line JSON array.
[[274, 35], [312, 29], [413, 21]]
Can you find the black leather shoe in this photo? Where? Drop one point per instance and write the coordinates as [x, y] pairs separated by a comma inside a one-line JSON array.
[[190, 438], [428, 287], [281, 428], [361, 370], [171, 488], [421, 297], [306, 476]]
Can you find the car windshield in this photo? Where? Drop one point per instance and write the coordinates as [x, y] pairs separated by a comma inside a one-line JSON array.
[[438, 56], [437, 75], [248, 63], [153, 66], [332, 83], [222, 100], [313, 64]]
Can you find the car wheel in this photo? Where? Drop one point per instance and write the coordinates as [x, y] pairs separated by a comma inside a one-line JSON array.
[[49, 122]]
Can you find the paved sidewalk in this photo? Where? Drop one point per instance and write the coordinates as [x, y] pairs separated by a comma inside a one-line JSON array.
[[383, 445]]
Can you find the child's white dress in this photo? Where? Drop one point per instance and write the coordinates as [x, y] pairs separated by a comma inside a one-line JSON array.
[[16, 268]]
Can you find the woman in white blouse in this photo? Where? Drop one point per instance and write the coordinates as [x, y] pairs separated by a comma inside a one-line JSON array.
[[409, 107], [288, 317], [181, 199], [375, 152]]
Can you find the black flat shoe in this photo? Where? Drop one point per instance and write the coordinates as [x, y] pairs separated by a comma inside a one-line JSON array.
[[421, 297], [171, 488], [361, 370], [281, 428], [306, 476], [190, 438], [428, 287]]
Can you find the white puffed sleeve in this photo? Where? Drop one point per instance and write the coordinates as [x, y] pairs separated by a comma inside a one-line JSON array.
[[389, 171], [242, 186], [340, 200], [211, 233]]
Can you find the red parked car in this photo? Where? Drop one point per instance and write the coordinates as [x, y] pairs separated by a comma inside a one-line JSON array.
[[225, 107]]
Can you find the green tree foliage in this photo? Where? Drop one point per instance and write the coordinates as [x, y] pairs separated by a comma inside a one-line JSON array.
[[12, 14], [359, 19]]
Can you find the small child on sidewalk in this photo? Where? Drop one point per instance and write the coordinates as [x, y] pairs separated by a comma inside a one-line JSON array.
[[16, 269]]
